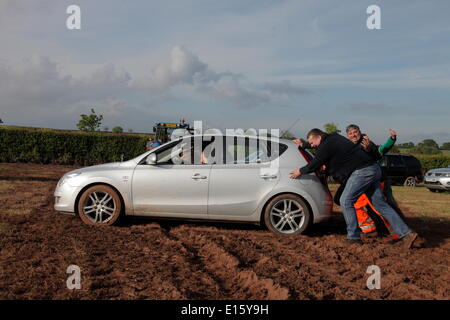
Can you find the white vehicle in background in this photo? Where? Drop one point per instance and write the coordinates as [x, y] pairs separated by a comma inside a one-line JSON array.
[[438, 180]]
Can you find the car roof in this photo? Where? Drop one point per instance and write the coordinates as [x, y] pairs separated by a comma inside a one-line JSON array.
[[274, 139]]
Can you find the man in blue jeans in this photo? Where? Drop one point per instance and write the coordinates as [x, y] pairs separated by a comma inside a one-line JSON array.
[[349, 164]]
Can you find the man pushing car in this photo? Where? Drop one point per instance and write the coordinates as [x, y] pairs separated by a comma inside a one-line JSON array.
[[348, 162]]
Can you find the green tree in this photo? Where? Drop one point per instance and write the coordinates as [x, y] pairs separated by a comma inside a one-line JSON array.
[[427, 146], [130, 130], [446, 146], [406, 145], [395, 149], [105, 128], [288, 135], [117, 129], [422, 149], [91, 122], [331, 127], [429, 143]]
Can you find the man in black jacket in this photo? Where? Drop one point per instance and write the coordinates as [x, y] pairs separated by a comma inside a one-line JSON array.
[[348, 162]]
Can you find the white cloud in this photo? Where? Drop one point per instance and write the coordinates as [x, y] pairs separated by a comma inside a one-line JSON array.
[[285, 88], [186, 68], [39, 84], [235, 94], [417, 77]]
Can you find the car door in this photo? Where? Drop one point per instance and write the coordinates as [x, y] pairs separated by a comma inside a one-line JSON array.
[[171, 188], [238, 184], [396, 167]]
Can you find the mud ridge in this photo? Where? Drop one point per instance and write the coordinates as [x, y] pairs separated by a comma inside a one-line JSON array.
[[241, 284]]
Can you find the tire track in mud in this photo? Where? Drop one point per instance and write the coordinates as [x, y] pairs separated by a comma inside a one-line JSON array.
[[269, 260], [326, 268], [237, 282], [169, 265]]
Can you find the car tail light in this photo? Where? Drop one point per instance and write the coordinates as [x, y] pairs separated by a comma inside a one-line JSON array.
[[308, 157], [322, 177]]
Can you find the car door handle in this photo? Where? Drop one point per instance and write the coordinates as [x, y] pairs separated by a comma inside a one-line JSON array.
[[268, 176], [198, 176]]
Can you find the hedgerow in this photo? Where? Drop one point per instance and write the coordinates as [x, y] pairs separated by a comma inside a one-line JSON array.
[[64, 147], [433, 161]]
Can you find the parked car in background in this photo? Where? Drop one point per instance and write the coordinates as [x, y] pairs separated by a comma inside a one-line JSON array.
[[251, 185], [438, 180], [403, 169]]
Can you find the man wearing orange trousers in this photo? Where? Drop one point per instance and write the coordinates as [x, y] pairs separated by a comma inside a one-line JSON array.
[[363, 205]]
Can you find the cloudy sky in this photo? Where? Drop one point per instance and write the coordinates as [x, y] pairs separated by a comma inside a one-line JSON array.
[[231, 64]]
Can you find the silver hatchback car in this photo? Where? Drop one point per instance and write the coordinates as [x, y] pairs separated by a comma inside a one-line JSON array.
[[210, 177]]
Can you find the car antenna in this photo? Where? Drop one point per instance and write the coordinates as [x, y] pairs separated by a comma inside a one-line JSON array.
[[295, 122]]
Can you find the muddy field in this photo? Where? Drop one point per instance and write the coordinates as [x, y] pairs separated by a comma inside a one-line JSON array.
[[151, 259]]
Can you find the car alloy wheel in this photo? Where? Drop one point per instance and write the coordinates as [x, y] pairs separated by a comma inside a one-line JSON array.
[[287, 214], [99, 205], [410, 182]]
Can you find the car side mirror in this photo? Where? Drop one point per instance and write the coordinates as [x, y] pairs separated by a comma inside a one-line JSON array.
[[151, 159]]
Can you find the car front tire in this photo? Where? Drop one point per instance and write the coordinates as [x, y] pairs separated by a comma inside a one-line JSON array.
[[99, 205], [287, 214]]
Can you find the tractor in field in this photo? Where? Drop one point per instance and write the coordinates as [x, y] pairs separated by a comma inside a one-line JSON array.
[[165, 131]]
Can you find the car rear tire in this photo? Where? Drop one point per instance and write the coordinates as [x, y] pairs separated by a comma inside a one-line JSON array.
[[99, 205], [287, 214], [410, 182]]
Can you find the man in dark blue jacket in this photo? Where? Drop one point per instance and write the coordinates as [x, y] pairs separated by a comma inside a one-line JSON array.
[[349, 163]]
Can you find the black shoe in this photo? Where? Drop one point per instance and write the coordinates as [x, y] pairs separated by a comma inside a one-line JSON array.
[[353, 241]]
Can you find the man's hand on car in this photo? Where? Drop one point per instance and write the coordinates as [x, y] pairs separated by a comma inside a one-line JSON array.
[[298, 142], [295, 174]]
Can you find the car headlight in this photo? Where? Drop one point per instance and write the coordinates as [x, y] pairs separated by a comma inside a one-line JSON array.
[[67, 177]]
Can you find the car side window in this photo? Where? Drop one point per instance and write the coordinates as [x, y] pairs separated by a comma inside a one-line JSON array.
[[165, 156], [395, 162], [186, 151], [244, 150], [219, 150]]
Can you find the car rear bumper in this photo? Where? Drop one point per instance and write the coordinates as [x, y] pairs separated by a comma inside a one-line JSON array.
[[327, 211]]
